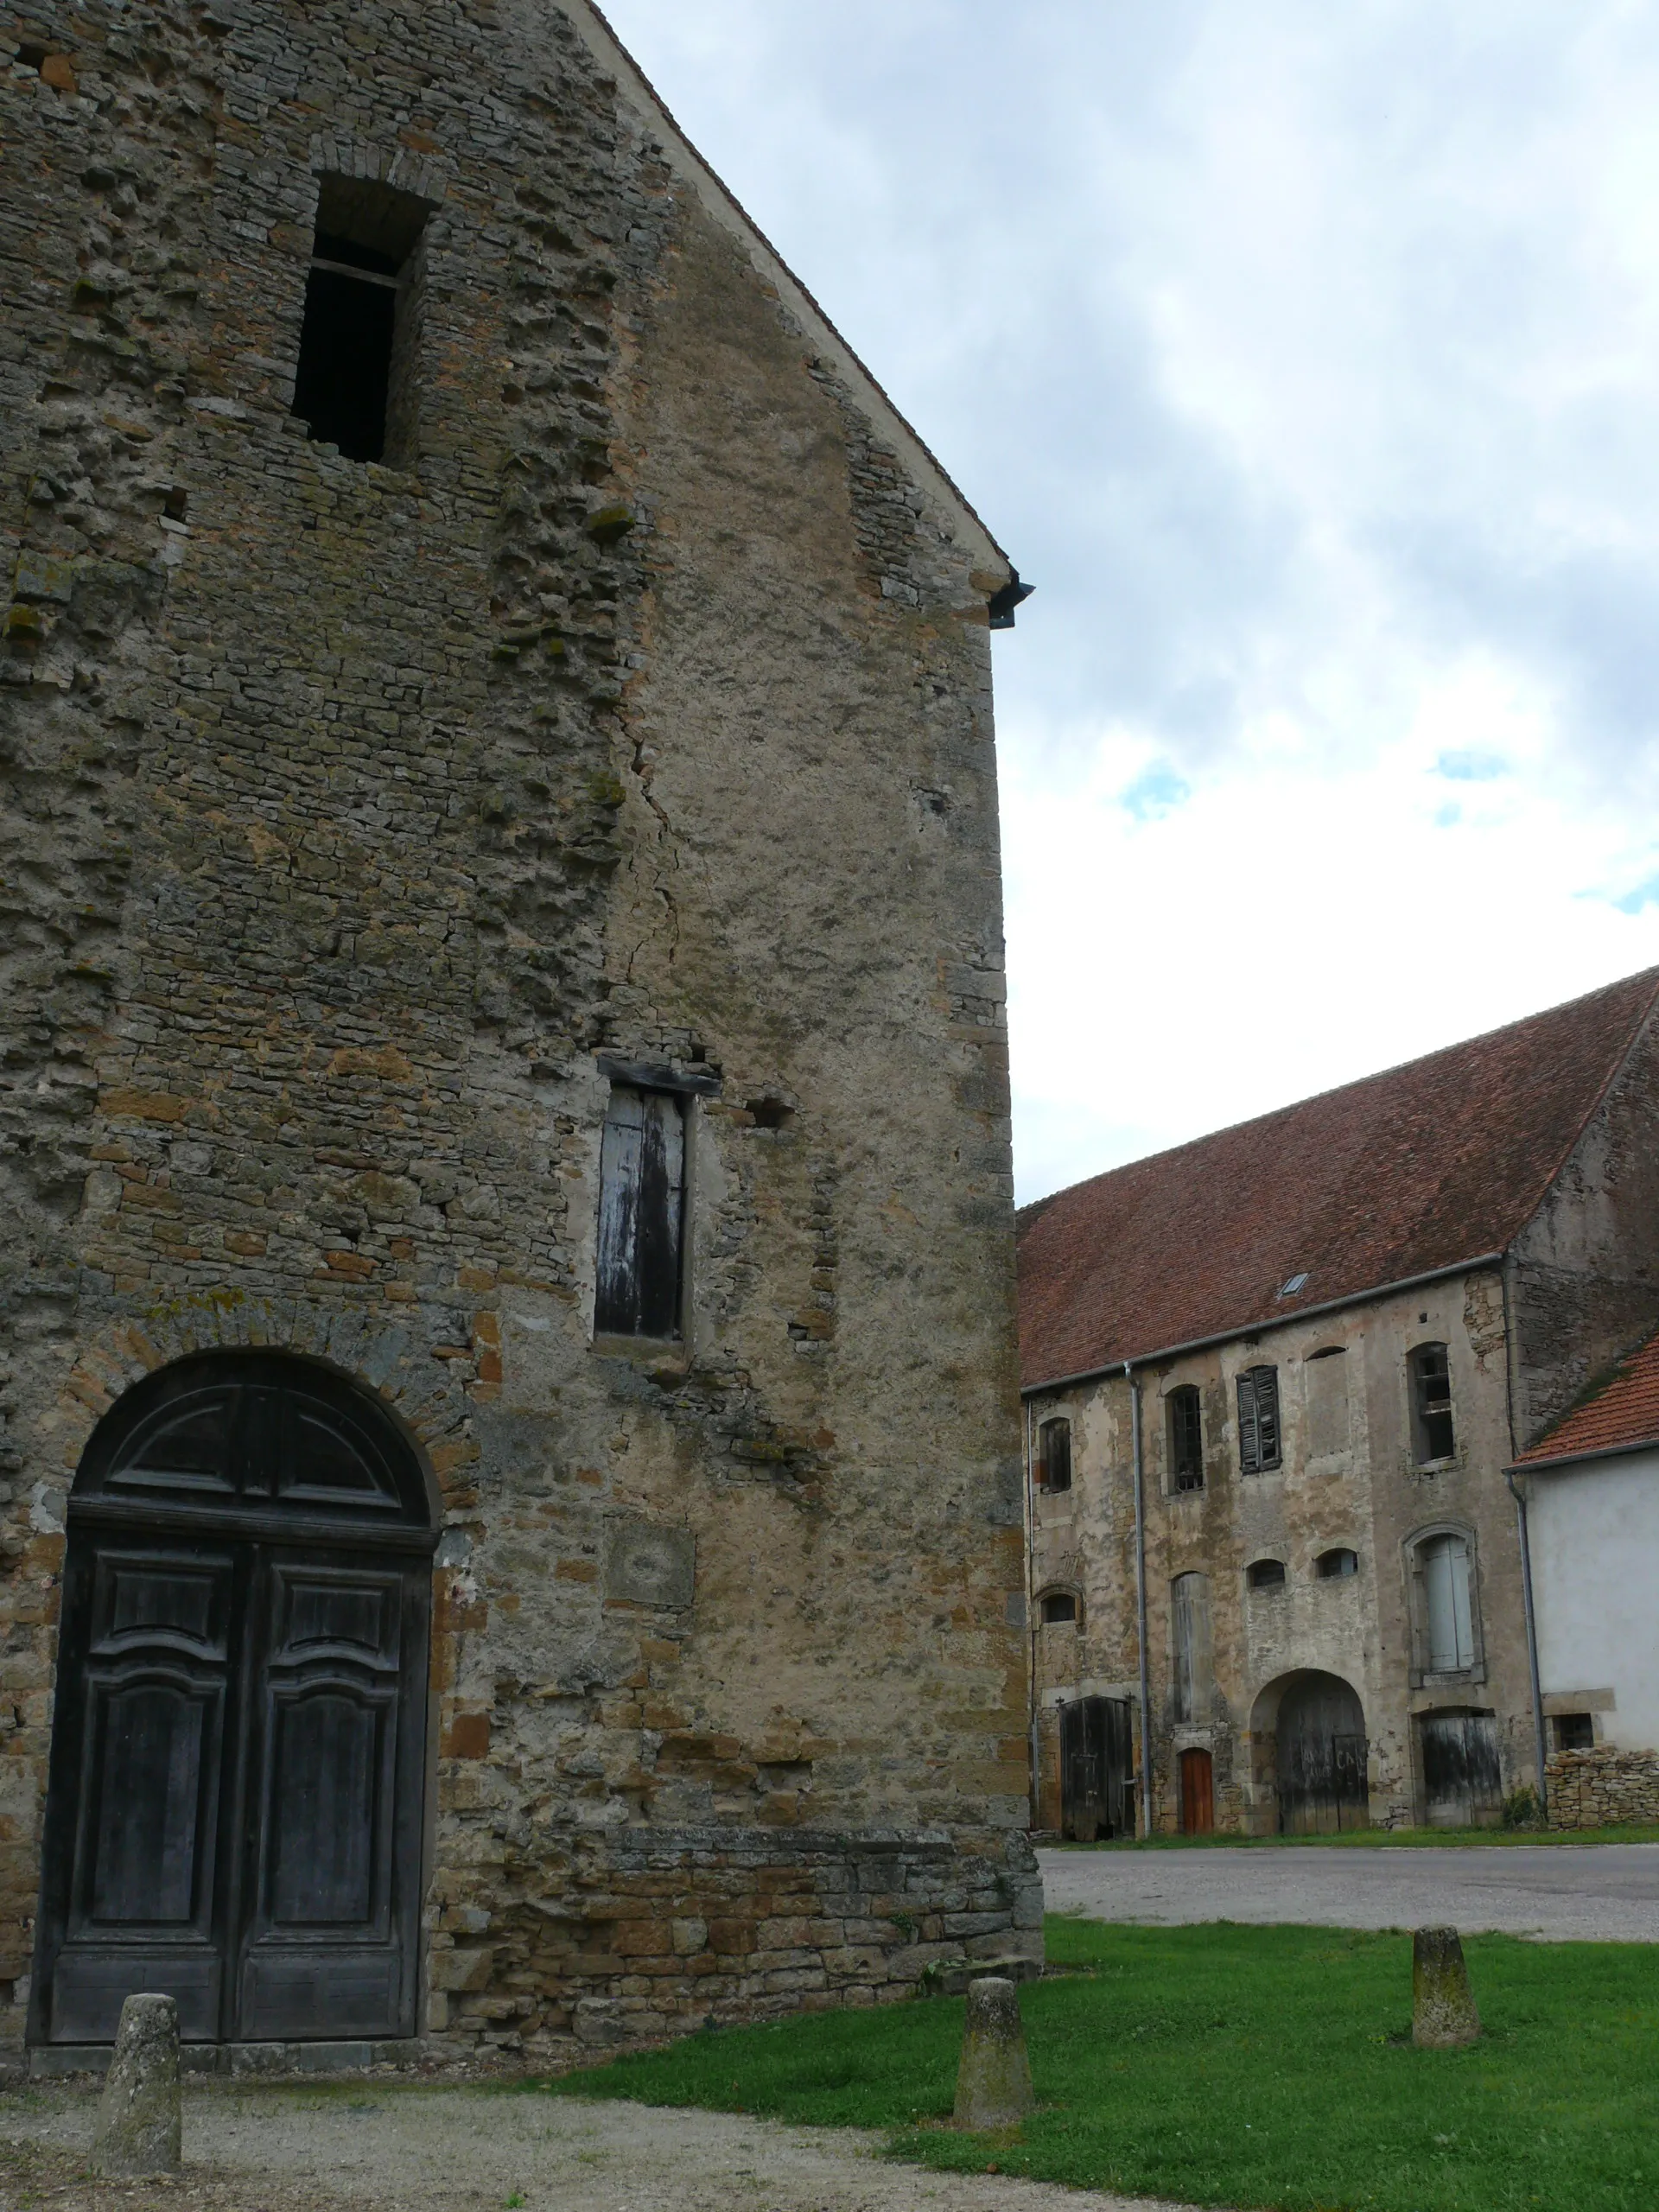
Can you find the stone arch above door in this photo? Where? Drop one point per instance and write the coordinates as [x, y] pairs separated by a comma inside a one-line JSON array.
[[1308, 1731], [237, 1789]]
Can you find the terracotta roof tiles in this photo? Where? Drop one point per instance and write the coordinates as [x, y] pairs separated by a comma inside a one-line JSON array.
[[1620, 1412], [1426, 1166]]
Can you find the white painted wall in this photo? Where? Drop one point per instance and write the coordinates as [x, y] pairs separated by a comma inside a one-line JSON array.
[[1595, 1581]]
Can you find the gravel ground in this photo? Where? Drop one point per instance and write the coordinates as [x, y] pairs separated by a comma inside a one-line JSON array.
[[1604, 1893], [375, 2144]]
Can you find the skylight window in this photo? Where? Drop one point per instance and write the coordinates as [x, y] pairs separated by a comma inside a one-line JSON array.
[[1296, 1283]]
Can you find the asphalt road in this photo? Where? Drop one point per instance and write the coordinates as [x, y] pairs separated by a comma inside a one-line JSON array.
[[1563, 1892]]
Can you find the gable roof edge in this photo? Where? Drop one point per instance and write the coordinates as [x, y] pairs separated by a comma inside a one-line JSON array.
[[729, 212], [1596, 1105]]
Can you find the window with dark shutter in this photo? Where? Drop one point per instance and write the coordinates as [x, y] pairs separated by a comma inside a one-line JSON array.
[[1258, 1419], [1054, 1455], [641, 1215], [1186, 1441]]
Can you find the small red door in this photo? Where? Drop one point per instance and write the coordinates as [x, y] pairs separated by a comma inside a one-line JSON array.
[[1197, 1794]]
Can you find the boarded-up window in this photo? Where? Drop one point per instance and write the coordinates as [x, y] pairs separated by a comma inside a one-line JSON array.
[[1191, 1650], [1431, 1404], [1186, 1441], [641, 1215], [1448, 1613], [1258, 1419], [1326, 1374], [1054, 1455]]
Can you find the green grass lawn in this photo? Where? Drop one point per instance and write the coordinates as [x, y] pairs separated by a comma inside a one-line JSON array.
[[1248, 2067], [1373, 1840]]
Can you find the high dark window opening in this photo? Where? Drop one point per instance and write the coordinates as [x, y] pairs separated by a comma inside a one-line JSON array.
[[1060, 1607], [1266, 1574], [1258, 1419], [1186, 1441], [1431, 1404], [1575, 1732], [353, 388], [1054, 1455], [1334, 1567], [641, 1215]]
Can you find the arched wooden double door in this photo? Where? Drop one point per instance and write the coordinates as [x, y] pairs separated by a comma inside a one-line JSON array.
[[236, 1803]]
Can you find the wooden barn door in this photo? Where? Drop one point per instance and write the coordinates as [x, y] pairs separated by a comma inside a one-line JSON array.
[[1323, 1784], [1462, 1784], [235, 1809]]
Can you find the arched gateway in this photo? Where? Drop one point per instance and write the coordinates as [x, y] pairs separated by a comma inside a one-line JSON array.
[[236, 1802]]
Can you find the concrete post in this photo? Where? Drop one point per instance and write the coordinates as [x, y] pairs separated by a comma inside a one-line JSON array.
[[138, 2120], [1443, 2014], [994, 2083]]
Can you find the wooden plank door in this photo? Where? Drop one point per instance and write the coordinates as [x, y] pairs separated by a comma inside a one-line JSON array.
[[1197, 1794], [332, 1829], [131, 1897]]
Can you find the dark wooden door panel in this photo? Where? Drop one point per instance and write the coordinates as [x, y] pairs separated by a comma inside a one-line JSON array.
[[235, 1808], [333, 1893], [90, 1983], [321, 1998]]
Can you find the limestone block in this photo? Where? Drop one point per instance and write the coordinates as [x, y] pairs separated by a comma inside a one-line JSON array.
[[138, 2119], [993, 2081], [1443, 2006], [646, 1564]]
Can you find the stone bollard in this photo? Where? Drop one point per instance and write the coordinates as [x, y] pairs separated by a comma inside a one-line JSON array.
[[994, 2083], [1443, 2014], [138, 2120]]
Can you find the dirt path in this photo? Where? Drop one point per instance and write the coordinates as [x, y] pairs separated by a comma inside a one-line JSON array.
[[377, 2144]]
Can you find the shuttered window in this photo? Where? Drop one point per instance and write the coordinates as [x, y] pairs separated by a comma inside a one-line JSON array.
[[641, 1215], [1431, 1404], [1258, 1419], [1450, 1621]]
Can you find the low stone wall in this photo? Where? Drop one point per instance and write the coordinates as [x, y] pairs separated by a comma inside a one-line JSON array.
[[1602, 1788], [664, 1931]]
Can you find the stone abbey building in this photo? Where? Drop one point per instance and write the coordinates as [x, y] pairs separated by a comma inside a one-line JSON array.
[[1276, 1381], [512, 1501]]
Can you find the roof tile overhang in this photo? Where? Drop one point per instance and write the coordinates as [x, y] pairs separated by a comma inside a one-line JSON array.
[[1428, 1170]]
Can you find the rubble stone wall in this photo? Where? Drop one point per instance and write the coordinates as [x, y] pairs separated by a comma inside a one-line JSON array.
[[349, 813], [1602, 1787]]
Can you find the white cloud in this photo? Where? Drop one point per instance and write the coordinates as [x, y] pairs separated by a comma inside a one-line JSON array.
[[1307, 359]]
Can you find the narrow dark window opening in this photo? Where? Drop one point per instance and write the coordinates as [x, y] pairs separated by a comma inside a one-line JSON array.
[[1266, 1574], [1054, 1455], [1431, 1404], [1059, 1606], [1334, 1566], [641, 1215], [351, 386], [1575, 1732], [1258, 1419], [1186, 1441]]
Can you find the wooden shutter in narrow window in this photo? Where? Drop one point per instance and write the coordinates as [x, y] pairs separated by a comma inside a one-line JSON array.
[[641, 1203], [1250, 1457], [1266, 1416]]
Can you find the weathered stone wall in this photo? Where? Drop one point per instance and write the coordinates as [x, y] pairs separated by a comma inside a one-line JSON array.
[[1350, 1480], [1602, 1787], [348, 812]]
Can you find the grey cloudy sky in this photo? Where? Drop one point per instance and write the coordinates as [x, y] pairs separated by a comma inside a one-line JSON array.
[[1307, 361]]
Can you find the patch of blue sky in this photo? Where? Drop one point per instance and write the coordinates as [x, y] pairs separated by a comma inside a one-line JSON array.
[[1158, 791], [1645, 894], [1448, 818], [1472, 767]]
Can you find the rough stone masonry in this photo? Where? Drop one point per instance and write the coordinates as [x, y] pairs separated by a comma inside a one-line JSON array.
[[360, 820]]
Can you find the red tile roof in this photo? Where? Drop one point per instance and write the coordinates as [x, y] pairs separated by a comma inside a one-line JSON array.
[[1441, 1161], [1621, 1410]]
